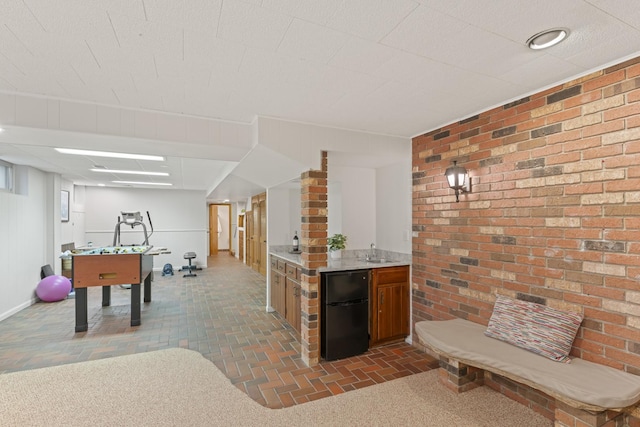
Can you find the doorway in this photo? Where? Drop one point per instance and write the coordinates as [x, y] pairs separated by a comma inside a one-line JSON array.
[[219, 228]]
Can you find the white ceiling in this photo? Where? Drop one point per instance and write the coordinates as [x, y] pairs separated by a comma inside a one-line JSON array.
[[394, 67]]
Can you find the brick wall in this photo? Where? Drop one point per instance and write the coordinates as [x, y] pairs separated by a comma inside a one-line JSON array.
[[313, 235], [553, 217]]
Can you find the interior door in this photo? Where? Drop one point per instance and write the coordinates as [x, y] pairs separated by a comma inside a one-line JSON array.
[[248, 220], [213, 229], [263, 236], [255, 236]]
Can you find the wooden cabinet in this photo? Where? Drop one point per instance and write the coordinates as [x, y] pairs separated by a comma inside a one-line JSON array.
[[389, 309], [285, 291], [278, 283]]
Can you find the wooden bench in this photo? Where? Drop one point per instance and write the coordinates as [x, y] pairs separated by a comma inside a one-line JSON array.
[[592, 393]]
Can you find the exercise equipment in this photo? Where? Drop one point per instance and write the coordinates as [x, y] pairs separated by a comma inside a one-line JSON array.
[[190, 268], [53, 288], [132, 219]]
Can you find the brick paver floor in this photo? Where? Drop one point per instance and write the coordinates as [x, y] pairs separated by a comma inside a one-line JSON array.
[[221, 314]]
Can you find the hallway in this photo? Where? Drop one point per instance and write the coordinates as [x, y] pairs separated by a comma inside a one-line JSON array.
[[221, 314]]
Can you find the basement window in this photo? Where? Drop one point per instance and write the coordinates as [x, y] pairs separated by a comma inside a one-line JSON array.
[[6, 176]]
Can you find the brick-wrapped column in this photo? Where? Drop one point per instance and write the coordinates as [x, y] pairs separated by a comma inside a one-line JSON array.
[[313, 241], [459, 377]]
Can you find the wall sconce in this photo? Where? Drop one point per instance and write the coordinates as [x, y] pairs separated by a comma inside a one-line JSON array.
[[458, 179]]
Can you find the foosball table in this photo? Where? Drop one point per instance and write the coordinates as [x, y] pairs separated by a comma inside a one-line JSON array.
[[109, 266]]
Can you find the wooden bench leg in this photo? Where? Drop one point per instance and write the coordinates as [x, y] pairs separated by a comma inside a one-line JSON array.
[[459, 377], [568, 416]]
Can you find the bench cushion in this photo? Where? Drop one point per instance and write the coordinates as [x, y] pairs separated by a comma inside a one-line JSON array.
[[534, 327], [581, 384]]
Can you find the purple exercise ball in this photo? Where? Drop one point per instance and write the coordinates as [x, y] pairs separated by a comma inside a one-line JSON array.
[[53, 288]]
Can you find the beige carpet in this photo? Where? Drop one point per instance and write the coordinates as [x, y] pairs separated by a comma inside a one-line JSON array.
[[180, 387]]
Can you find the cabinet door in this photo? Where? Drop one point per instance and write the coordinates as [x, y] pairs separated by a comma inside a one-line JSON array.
[[298, 309], [278, 292], [392, 306], [389, 310], [293, 303]]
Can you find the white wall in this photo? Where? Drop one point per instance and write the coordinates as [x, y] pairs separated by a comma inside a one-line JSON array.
[[283, 214], [393, 207], [295, 212], [67, 229], [25, 222], [180, 220], [334, 209], [278, 218], [77, 219], [358, 213]]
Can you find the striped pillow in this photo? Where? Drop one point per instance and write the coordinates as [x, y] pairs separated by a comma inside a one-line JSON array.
[[534, 327]]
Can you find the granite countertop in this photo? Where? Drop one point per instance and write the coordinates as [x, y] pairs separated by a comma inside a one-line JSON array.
[[350, 260], [285, 255]]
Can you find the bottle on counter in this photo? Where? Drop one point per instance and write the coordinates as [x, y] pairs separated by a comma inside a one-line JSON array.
[[296, 242]]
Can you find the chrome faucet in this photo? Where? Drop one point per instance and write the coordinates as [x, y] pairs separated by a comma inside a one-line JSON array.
[[372, 253]]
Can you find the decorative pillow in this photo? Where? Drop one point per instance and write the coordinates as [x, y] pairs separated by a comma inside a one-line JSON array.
[[534, 327]]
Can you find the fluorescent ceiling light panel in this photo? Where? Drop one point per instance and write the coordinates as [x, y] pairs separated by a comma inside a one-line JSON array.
[[141, 183], [110, 154], [130, 172]]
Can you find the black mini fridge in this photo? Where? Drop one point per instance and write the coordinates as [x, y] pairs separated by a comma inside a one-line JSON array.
[[344, 328]]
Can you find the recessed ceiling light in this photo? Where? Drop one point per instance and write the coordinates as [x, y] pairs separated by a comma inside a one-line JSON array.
[[110, 154], [101, 185], [130, 172], [547, 38], [141, 183]]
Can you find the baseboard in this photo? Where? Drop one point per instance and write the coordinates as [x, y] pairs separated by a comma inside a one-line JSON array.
[[14, 310]]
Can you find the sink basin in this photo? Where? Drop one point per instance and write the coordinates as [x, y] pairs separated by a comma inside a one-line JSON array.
[[377, 260]]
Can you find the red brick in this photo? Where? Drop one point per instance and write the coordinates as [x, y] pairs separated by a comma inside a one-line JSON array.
[[625, 111], [583, 99], [563, 115], [603, 128], [605, 80], [633, 96], [608, 340]]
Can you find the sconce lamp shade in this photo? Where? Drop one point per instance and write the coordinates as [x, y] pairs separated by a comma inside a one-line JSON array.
[[456, 178]]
